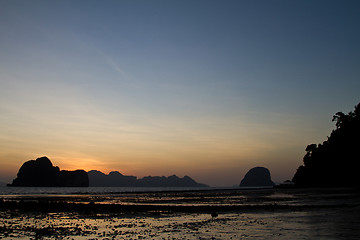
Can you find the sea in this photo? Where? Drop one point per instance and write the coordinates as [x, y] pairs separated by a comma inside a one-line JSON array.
[[4, 191]]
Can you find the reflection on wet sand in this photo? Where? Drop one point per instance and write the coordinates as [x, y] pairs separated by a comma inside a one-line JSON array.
[[261, 214]]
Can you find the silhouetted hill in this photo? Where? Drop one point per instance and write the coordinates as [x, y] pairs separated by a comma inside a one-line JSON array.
[[116, 179], [171, 181], [113, 179], [42, 173], [334, 163], [257, 177]]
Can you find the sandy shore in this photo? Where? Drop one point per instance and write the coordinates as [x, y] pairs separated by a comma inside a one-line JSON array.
[[252, 214]]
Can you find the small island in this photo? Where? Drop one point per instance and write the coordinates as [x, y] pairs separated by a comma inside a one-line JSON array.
[[257, 177], [42, 173]]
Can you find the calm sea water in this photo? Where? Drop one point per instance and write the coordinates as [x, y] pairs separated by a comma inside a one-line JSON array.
[[89, 190]]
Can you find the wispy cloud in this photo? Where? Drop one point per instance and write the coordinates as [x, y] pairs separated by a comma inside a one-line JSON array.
[[115, 66], [110, 62]]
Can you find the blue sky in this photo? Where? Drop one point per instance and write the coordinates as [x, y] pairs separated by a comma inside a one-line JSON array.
[[187, 87]]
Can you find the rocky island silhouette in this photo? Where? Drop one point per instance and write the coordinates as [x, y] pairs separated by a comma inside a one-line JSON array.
[[116, 179], [257, 177], [42, 173]]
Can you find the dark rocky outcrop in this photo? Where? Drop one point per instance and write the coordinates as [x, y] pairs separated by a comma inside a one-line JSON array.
[[116, 179], [42, 173], [257, 177]]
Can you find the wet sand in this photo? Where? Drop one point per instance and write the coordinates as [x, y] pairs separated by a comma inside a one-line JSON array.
[[250, 214]]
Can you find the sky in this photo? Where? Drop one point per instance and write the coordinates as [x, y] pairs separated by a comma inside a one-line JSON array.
[[208, 89]]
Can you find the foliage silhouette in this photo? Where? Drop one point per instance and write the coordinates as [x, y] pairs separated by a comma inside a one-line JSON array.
[[334, 162]]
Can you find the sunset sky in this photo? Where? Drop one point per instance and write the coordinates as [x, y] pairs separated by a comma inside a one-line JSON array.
[[202, 88]]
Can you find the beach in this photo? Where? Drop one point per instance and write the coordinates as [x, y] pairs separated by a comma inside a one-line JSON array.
[[185, 214]]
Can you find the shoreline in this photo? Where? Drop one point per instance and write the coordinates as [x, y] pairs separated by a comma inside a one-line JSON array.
[[120, 208]]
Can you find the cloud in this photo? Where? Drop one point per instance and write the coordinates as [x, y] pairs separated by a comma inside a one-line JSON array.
[[110, 62], [115, 66]]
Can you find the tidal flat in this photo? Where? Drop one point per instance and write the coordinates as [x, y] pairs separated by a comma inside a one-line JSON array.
[[212, 214]]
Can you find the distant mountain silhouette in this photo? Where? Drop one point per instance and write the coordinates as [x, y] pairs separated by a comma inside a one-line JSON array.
[[334, 163], [113, 179], [257, 177], [116, 179], [171, 181], [42, 173], [2, 184]]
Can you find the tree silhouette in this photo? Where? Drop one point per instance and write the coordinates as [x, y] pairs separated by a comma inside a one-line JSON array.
[[334, 162]]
